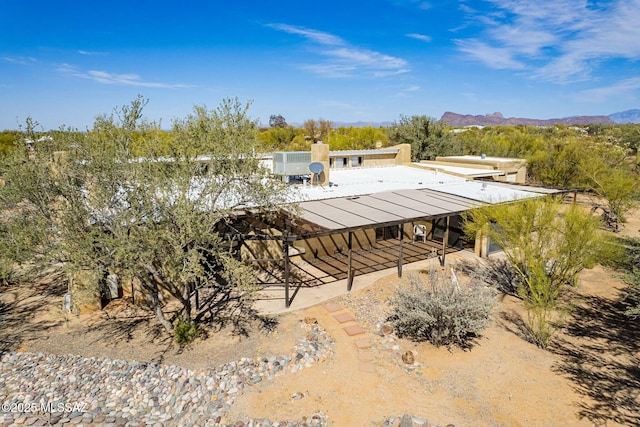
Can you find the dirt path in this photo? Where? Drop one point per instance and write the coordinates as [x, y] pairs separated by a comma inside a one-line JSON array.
[[502, 381]]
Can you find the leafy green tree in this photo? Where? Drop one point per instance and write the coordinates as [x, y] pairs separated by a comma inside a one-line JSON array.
[[559, 164], [278, 138], [428, 138], [548, 245], [353, 138], [315, 131], [96, 207], [277, 121]]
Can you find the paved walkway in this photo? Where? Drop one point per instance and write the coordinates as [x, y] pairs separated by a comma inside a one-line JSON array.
[[271, 300]]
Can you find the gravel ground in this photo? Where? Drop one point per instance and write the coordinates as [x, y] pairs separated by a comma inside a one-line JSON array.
[[39, 389]]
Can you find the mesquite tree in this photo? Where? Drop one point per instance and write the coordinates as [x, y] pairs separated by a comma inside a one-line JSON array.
[[153, 220]]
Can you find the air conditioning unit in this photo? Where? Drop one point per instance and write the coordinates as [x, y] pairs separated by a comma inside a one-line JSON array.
[[289, 163]]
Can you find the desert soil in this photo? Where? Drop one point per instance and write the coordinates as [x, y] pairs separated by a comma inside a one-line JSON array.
[[589, 376]]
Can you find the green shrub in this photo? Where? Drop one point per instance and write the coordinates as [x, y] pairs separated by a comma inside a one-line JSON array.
[[440, 311], [185, 332]]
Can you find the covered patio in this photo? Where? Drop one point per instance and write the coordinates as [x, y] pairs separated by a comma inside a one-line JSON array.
[[386, 222]]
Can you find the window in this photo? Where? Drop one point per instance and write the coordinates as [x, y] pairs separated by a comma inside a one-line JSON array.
[[387, 233], [356, 161], [456, 236], [340, 162]]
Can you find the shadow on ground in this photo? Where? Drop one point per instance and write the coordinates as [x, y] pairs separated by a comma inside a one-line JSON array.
[[32, 319], [599, 348], [599, 353], [19, 313]]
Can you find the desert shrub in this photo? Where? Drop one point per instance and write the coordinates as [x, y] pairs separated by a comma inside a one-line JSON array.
[[185, 332], [440, 311], [495, 272], [629, 265]]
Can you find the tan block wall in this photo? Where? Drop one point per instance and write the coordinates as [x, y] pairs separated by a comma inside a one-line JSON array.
[[339, 243], [84, 286], [336, 243], [133, 288], [261, 249], [320, 153], [515, 169], [379, 160], [404, 154]]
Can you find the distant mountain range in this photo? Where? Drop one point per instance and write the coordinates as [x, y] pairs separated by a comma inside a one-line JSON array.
[[629, 116], [495, 119], [454, 119]]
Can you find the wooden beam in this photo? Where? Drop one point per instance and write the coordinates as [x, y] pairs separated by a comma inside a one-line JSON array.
[[445, 240], [285, 250], [401, 228], [349, 265]]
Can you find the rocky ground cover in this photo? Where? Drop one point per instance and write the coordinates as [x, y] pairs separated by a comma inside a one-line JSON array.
[[39, 389]]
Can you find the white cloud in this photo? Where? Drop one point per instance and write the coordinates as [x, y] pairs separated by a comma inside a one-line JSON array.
[[20, 60], [403, 93], [344, 60], [421, 37], [558, 40], [313, 35], [493, 57], [105, 77], [623, 88], [330, 70], [92, 53]]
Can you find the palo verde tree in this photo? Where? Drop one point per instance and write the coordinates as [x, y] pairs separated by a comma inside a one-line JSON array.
[[547, 245], [155, 221], [607, 171]]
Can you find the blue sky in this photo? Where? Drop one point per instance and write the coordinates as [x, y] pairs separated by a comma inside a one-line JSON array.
[[65, 62]]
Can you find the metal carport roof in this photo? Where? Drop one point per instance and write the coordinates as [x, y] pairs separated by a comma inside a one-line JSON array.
[[378, 209]]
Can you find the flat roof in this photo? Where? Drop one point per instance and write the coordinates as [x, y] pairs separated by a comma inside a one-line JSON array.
[[541, 190], [486, 192], [348, 153], [480, 159], [368, 197], [460, 170], [348, 182]]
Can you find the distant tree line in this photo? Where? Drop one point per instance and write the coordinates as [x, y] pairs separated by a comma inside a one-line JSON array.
[[602, 159], [84, 203]]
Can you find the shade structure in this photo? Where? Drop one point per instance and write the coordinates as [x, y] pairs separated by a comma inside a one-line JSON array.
[[379, 209]]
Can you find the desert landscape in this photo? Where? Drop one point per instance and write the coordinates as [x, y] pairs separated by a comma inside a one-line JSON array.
[[589, 376]]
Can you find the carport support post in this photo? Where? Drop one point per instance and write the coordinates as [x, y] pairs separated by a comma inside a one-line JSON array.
[[349, 269], [445, 240], [285, 250], [401, 227]]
